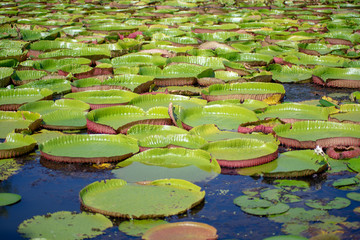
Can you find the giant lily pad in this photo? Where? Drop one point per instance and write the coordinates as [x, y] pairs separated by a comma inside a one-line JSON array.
[[86, 52], [159, 198], [290, 164], [172, 140], [181, 230], [47, 106], [291, 112], [16, 144], [9, 198], [65, 225], [138, 60], [242, 91], [354, 164], [210, 62], [349, 113], [18, 121], [309, 134], [12, 99], [56, 85], [103, 98], [132, 82], [147, 101], [242, 152], [190, 165], [89, 148], [26, 76], [338, 77], [141, 131], [286, 74], [5, 73], [227, 117]]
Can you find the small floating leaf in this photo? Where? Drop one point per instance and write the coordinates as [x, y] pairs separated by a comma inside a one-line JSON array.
[[336, 203], [9, 198]]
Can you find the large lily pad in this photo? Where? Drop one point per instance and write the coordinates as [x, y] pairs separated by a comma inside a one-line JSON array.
[[64, 225], [147, 101], [242, 152], [338, 77], [227, 117], [348, 113], [89, 148], [12, 99], [5, 73], [190, 165], [159, 198], [309, 134], [172, 140], [57, 85], [242, 91], [15, 145], [291, 112], [141, 131], [18, 121], [119, 119], [286, 74], [103, 98]]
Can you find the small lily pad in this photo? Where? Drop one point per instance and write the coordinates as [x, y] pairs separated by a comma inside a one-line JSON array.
[[260, 207], [64, 225], [278, 195], [354, 196], [326, 203], [354, 164], [9, 198]]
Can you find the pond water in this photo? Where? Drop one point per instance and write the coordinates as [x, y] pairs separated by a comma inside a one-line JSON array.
[[47, 188]]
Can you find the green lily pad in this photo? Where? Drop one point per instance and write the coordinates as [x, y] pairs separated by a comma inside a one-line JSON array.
[[348, 113], [141, 131], [300, 215], [25, 76], [64, 225], [172, 140], [138, 60], [45, 135], [159, 198], [260, 207], [12, 99], [279, 195], [242, 152], [227, 117], [346, 182], [287, 183], [148, 101], [9, 198], [137, 228], [336, 203], [103, 97], [249, 90], [286, 74], [89, 148], [58, 86], [48, 106], [354, 164], [309, 134], [16, 144], [8, 167], [18, 121], [120, 118], [5, 73], [355, 196]]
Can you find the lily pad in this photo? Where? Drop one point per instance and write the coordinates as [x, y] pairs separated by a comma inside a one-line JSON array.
[[355, 196], [290, 112], [137, 228], [159, 198], [65, 225], [243, 91], [227, 117], [349, 113], [337, 77], [172, 140], [181, 230], [286, 74], [16, 144], [260, 207], [309, 134], [354, 164], [242, 152], [89, 148], [12, 99], [5, 73], [336, 203], [147, 101], [45, 135], [119, 119], [9, 198], [18, 121], [58, 86], [103, 98]]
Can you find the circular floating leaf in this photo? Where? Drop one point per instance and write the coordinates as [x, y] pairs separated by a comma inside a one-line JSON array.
[[160, 198], [16, 144], [242, 152], [137, 228], [354, 196], [296, 164], [181, 231], [354, 164], [64, 225], [141, 131], [246, 201], [190, 165], [172, 140], [18, 121], [278, 195], [89, 148], [336, 203], [9, 198], [259, 206]]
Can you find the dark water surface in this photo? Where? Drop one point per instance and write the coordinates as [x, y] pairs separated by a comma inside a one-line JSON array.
[[50, 188]]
